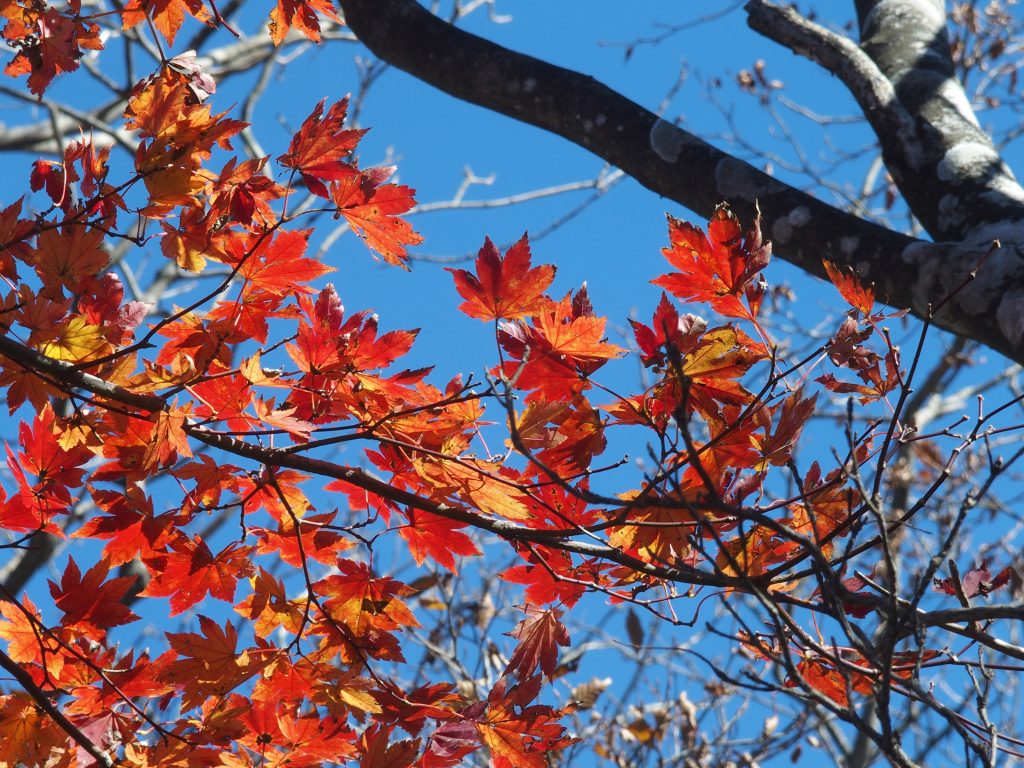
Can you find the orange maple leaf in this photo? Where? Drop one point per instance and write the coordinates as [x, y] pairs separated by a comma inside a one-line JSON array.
[[372, 212], [50, 43], [278, 265], [210, 665], [167, 15], [370, 607], [67, 257], [268, 607], [299, 15], [850, 288], [129, 524], [28, 736], [22, 629], [504, 287], [520, 736], [318, 543]]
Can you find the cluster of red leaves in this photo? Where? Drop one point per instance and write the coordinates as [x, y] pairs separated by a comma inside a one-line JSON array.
[[217, 694], [308, 679], [50, 39]]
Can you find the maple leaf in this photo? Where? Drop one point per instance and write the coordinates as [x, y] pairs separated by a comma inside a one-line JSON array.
[[831, 503], [320, 149], [539, 635], [719, 268], [437, 538], [450, 743], [578, 338], [489, 487], [22, 629], [67, 257], [856, 295], [667, 524], [410, 709], [76, 341], [14, 234], [129, 524], [823, 676], [372, 211], [51, 43], [56, 469], [517, 735], [712, 366], [753, 552], [370, 607], [542, 581], [209, 664], [48, 174], [318, 543], [554, 355], [128, 677], [190, 571], [99, 303], [668, 332], [90, 605], [28, 736], [283, 497], [167, 15], [777, 447], [378, 751], [268, 607], [504, 287], [242, 192], [977, 581], [168, 440], [225, 399], [299, 15], [278, 266]]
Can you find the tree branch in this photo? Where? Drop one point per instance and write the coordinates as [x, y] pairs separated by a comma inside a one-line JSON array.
[[840, 56], [67, 375], [44, 703], [674, 163], [947, 167]]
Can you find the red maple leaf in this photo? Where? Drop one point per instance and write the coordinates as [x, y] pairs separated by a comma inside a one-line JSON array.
[[504, 287], [90, 605], [373, 210], [539, 635], [321, 148], [856, 295], [720, 268], [436, 538], [129, 524], [190, 571]]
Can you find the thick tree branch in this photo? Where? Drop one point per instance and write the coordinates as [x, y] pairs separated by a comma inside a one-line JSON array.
[[952, 176], [684, 168], [840, 56]]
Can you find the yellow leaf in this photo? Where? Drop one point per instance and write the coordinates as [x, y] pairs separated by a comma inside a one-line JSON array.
[[77, 342]]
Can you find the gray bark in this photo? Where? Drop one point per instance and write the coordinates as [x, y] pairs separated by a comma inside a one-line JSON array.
[[902, 76]]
